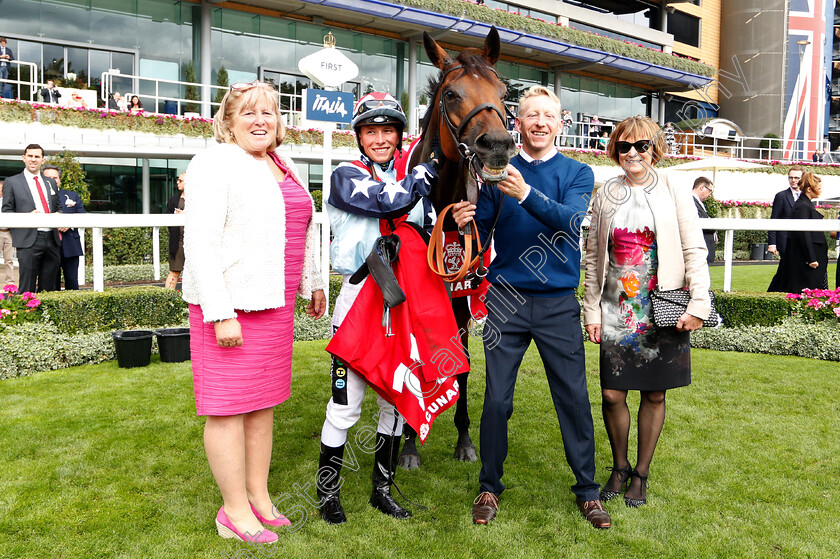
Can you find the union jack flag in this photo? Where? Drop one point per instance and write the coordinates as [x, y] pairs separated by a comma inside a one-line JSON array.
[[805, 107]]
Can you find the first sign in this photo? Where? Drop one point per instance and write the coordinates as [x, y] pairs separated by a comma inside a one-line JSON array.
[[329, 67]]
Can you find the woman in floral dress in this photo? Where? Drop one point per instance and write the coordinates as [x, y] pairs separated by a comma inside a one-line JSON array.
[[645, 235]]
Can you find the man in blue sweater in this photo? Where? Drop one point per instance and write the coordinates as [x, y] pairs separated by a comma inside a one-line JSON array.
[[532, 297]]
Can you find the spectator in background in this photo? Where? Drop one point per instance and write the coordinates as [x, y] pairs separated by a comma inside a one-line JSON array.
[[71, 243], [602, 143], [135, 106], [594, 132], [6, 56], [703, 188], [807, 252], [38, 250], [816, 158], [778, 240], [7, 249], [175, 205], [50, 94], [567, 127], [116, 102]]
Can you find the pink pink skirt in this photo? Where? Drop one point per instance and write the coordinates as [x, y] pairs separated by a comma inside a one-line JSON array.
[[255, 376]]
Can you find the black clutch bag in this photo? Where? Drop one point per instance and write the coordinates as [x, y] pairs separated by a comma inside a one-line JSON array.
[[669, 306]]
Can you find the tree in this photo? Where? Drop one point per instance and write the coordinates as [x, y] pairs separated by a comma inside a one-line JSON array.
[[221, 81], [190, 91], [72, 174]]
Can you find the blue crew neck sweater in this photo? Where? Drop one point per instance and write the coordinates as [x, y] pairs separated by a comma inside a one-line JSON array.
[[538, 241]]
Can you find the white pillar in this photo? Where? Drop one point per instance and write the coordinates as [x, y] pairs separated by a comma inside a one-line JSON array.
[[98, 261], [206, 67], [326, 173], [412, 87], [145, 187], [156, 252]]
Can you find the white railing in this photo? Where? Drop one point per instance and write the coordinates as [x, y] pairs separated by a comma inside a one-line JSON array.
[[151, 101], [98, 222], [730, 225], [33, 84]]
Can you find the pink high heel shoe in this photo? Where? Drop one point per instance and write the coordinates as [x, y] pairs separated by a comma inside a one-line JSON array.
[[277, 522], [227, 530]]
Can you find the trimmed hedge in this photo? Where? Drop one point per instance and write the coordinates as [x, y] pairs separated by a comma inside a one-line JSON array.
[[816, 341], [115, 309], [752, 309], [33, 347]]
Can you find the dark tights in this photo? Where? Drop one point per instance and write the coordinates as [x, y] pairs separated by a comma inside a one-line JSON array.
[[617, 421]]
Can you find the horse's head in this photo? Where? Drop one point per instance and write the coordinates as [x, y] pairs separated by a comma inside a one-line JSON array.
[[469, 107]]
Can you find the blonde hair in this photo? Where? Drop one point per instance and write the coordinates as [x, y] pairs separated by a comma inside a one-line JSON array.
[[641, 128], [809, 181], [248, 97], [536, 91]]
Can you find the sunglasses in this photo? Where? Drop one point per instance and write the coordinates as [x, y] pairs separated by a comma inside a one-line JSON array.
[[242, 85], [640, 146]]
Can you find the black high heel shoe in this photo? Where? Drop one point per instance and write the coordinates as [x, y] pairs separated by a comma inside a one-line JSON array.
[[623, 475], [635, 503]]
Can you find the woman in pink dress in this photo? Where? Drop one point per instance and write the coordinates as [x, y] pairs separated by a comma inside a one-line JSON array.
[[249, 244]]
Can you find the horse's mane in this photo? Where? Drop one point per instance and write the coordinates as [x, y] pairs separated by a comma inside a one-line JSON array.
[[472, 61]]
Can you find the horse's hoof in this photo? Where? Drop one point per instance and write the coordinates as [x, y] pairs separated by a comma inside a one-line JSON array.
[[465, 453], [411, 461]]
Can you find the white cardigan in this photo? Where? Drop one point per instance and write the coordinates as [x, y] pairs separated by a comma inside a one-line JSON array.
[[680, 245], [235, 235]]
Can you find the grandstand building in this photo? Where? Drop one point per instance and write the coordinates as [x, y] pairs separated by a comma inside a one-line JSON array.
[[673, 60]]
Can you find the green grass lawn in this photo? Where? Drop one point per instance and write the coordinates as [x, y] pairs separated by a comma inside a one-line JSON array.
[[756, 277], [98, 461]]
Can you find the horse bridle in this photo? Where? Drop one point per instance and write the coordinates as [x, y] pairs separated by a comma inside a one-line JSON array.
[[434, 255]]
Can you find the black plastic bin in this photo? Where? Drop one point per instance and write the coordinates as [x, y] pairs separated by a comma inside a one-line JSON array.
[[758, 251], [134, 347], [174, 344]]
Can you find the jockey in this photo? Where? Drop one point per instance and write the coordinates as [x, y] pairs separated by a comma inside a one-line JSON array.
[[362, 193]]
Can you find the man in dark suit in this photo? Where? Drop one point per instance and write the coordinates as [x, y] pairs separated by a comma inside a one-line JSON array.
[[6, 57], [38, 250], [702, 189], [50, 94], [71, 244], [777, 240]]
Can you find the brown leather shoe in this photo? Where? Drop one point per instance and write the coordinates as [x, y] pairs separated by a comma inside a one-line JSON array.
[[485, 507], [594, 512]]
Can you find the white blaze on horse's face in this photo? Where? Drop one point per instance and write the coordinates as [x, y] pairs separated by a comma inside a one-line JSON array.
[[538, 123], [379, 142]]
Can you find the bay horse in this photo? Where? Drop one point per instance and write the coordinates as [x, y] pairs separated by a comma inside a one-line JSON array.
[[466, 125]]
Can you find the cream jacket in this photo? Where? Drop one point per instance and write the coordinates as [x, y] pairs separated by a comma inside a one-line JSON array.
[[235, 235], [680, 245]]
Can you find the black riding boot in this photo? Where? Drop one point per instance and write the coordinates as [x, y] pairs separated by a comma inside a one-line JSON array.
[[383, 476], [328, 482]]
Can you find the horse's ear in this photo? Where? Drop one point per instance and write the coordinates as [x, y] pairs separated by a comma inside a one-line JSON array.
[[436, 54], [492, 46]]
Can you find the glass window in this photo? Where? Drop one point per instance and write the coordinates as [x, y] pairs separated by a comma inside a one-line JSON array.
[[53, 62], [69, 20], [685, 28], [100, 61], [114, 23], [22, 16], [77, 63]]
